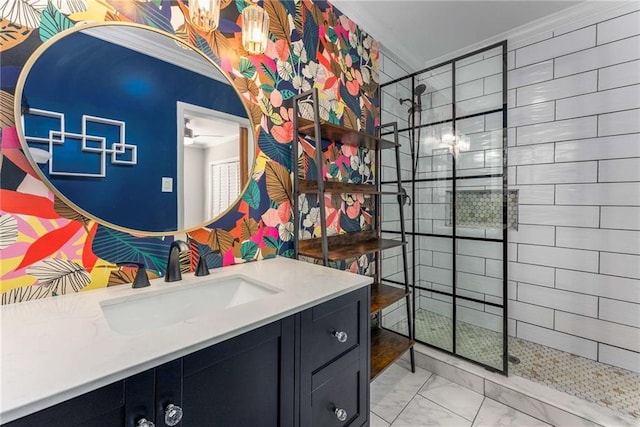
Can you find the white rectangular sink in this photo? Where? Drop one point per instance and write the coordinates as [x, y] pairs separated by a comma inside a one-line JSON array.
[[135, 314]]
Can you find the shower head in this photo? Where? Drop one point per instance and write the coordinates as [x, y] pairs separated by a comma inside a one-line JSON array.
[[418, 91]]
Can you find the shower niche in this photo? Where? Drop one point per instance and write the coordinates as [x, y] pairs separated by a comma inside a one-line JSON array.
[[452, 129]]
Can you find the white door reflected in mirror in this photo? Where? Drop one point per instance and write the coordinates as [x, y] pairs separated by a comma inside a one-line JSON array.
[[214, 161]]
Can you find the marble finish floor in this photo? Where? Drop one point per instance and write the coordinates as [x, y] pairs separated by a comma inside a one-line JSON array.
[[400, 398], [605, 385]]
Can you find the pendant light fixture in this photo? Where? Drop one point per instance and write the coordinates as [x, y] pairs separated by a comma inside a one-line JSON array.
[[255, 29], [205, 14]]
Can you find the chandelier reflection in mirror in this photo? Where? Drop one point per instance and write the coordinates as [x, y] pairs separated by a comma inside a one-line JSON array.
[[255, 29], [205, 14]]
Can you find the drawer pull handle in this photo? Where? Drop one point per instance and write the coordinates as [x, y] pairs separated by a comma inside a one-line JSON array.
[[145, 423], [341, 414], [341, 336], [172, 414]]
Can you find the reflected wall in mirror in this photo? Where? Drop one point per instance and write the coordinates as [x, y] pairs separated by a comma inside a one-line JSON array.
[[134, 128]]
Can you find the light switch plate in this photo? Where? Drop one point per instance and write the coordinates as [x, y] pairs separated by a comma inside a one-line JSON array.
[[167, 184]]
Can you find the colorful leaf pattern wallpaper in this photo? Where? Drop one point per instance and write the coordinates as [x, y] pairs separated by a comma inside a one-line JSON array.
[[48, 249]]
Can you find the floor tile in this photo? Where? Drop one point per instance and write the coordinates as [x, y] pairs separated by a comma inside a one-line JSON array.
[[605, 385], [422, 412], [454, 397], [495, 414], [394, 388], [376, 421]]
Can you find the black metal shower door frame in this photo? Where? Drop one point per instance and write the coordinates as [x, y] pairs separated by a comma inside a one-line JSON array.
[[454, 238]]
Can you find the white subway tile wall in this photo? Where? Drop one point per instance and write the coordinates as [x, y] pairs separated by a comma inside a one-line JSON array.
[[574, 156], [616, 356], [619, 123], [598, 57], [624, 74], [618, 28], [620, 217], [562, 130], [608, 147], [589, 277]]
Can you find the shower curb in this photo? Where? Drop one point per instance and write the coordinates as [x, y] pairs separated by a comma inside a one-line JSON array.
[[544, 403]]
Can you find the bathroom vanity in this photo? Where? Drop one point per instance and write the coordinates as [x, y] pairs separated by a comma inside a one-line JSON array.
[[297, 355]]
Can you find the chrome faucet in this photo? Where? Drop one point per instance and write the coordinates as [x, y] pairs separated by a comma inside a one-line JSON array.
[[173, 273]]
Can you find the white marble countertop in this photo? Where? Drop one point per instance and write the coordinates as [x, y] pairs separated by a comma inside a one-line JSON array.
[[57, 348]]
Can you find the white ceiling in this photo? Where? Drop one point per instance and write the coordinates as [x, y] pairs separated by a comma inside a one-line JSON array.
[[421, 31]]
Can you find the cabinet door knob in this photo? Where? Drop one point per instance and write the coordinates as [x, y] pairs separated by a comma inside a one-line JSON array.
[[145, 423], [172, 414], [341, 336], [341, 414]]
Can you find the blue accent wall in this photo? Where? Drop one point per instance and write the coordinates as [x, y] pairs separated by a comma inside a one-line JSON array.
[[80, 74]]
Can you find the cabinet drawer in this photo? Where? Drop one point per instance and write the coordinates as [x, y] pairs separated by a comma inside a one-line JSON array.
[[338, 386], [321, 324]]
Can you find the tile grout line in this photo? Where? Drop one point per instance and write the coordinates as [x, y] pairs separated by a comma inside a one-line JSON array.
[[484, 398], [410, 400], [445, 408]]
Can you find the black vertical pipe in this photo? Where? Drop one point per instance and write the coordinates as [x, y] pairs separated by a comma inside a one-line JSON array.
[[320, 176], [453, 206], [414, 166], [296, 179], [505, 215], [405, 264], [378, 218]]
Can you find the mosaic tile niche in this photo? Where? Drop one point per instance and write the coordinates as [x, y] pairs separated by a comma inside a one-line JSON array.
[[482, 209]]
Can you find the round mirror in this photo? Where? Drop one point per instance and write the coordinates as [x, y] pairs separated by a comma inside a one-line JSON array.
[[135, 129]]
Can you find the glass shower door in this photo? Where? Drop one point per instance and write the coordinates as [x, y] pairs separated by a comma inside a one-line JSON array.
[[477, 208]]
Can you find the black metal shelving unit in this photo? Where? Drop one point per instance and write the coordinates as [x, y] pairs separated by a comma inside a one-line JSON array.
[[386, 345]]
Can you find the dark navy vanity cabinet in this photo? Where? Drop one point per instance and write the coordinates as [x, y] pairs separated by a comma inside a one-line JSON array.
[[334, 363], [309, 369]]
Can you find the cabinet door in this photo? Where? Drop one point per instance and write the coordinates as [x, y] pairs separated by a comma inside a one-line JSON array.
[[98, 408], [139, 399], [246, 381], [168, 388]]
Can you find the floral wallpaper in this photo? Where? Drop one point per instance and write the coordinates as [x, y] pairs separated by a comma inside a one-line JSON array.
[[47, 249]]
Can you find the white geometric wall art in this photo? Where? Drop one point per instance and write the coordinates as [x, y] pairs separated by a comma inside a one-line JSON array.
[[120, 152]]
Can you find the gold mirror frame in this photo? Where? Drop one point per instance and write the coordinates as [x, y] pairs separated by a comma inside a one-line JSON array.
[[25, 147]]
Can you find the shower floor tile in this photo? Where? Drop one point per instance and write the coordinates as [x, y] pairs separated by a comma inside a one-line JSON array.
[[606, 385]]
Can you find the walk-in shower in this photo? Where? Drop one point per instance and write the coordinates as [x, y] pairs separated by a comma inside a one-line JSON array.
[[453, 133], [452, 122]]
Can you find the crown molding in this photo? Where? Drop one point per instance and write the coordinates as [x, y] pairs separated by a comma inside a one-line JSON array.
[[569, 19], [156, 46]]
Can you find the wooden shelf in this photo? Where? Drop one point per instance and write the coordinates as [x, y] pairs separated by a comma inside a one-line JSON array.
[[344, 246], [311, 186], [383, 296], [343, 135], [386, 348]]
